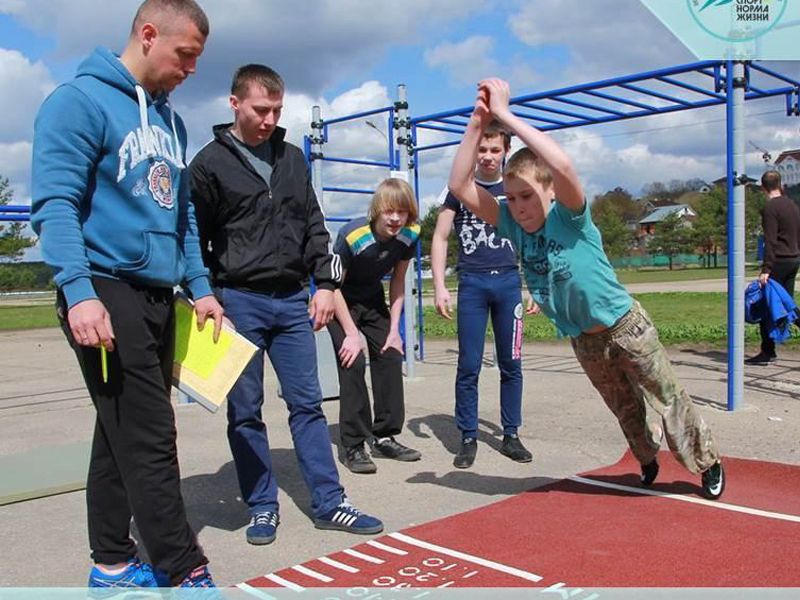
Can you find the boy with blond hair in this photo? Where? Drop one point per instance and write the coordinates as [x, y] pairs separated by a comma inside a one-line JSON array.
[[546, 216], [370, 248]]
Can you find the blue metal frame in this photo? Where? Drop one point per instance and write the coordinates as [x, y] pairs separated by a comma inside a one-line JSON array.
[[15, 213], [729, 178], [617, 107]]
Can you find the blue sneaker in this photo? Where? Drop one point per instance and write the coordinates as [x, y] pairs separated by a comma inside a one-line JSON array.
[[347, 517], [199, 578], [203, 587], [136, 575], [263, 528]]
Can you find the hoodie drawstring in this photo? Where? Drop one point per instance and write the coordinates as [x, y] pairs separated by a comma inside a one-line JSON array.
[[178, 150], [147, 134]]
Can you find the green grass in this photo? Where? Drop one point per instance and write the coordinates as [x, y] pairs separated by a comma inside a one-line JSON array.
[[681, 317], [27, 317]]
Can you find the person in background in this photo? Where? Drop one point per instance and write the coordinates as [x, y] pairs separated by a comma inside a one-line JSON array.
[[781, 225]]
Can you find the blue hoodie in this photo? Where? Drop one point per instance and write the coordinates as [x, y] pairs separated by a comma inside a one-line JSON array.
[[109, 194], [771, 304]]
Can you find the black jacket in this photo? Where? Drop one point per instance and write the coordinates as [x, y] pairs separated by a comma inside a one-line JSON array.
[[260, 236]]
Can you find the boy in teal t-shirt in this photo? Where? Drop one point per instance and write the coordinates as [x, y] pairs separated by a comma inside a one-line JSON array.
[[571, 279]]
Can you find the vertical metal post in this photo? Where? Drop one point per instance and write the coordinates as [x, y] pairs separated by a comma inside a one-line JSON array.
[[735, 84], [403, 143], [316, 154]]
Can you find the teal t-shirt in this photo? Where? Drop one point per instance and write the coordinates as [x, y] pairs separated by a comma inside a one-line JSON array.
[[567, 271]]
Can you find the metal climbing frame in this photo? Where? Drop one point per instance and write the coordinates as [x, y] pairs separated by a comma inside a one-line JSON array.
[[685, 87]]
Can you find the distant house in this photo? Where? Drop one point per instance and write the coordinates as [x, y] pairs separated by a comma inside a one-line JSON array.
[[649, 223], [653, 205], [788, 165]]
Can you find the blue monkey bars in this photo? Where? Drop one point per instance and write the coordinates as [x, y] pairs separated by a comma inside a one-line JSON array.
[[10, 212], [683, 87]]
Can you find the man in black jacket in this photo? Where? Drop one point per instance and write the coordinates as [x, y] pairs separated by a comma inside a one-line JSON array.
[[262, 233], [781, 224]]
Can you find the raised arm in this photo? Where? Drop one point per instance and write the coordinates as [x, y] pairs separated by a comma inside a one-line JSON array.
[[566, 186], [462, 175]]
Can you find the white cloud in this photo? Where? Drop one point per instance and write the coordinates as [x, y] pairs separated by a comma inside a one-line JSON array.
[[465, 62], [604, 37], [26, 84], [15, 165]]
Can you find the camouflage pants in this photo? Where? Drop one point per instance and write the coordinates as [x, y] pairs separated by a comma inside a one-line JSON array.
[[628, 366]]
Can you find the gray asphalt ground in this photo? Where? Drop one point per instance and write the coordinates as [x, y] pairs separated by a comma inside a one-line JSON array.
[[43, 403]]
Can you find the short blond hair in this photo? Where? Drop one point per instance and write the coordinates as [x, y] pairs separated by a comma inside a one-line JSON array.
[[393, 194], [525, 162]]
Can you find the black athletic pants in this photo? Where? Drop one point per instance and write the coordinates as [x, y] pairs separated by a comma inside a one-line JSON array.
[[784, 272], [133, 470], [355, 417]]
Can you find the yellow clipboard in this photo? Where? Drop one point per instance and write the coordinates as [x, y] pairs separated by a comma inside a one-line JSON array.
[[203, 369]]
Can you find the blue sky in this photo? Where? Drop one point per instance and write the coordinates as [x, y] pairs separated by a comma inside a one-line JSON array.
[[349, 55]]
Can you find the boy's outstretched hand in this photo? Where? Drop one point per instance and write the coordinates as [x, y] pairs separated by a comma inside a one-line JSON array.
[[481, 113], [498, 94]]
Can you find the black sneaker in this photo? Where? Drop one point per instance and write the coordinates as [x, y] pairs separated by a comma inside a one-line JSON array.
[[391, 448], [512, 448], [649, 473], [466, 453], [714, 481], [358, 461], [762, 358]]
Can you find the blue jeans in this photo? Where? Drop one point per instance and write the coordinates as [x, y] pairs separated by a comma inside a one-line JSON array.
[[279, 324], [481, 293]]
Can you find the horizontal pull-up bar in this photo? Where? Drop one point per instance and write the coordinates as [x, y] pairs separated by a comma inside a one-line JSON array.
[[355, 161], [360, 115], [689, 86], [641, 90], [611, 98]]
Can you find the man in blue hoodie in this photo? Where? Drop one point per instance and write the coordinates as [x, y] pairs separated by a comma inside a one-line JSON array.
[[111, 207]]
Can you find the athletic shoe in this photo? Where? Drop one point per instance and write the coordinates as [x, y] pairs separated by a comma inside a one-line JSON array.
[[347, 517], [466, 453], [649, 473], [714, 481], [358, 461], [761, 358], [135, 575], [512, 448], [263, 528], [203, 586], [390, 448]]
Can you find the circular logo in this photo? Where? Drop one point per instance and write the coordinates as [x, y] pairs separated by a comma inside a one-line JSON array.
[[736, 20], [518, 311], [160, 184]]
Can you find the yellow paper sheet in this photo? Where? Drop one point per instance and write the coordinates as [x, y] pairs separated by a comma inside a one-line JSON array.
[[196, 355], [196, 350]]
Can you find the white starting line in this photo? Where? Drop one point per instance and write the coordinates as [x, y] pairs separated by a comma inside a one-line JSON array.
[[712, 503]]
